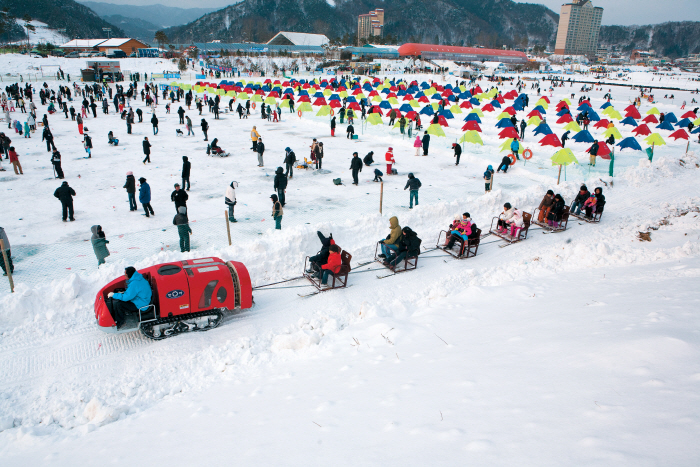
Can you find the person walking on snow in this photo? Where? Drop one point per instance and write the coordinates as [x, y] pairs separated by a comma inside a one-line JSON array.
[[189, 126], [130, 186], [179, 197], [333, 126], [260, 148], [356, 167], [458, 151], [183, 228], [413, 184], [426, 143], [417, 144], [277, 211], [289, 159], [230, 200], [65, 194], [145, 197], [390, 159], [154, 122], [205, 128], [99, 244], [254, 136], [280, 185], [146, 150]]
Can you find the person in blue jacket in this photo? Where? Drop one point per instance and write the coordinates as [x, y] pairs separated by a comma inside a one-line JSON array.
[[514, 147], [137, 295], [145, 197]]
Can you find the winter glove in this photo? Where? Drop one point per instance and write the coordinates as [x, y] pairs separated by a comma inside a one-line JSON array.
[[110, 295]]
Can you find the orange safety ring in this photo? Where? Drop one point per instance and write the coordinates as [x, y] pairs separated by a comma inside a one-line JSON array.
[[253, 105], [527, 154], [299, 113], [513, 159], [332, 112]]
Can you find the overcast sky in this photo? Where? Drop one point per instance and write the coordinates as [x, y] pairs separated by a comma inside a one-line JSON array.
[[616, 11], [637, 11]]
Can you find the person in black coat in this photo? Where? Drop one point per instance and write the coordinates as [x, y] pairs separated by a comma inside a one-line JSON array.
[[409, 247], [369, 158], [146, 150], [426, 143], [280, 184], [154, 122], [350, 131], [555, 212], [356, 167], [139, 112], [179, 197], [523, 125], [320, 258], [56, 161], [130, 186], [48, 137], [260, 149], [458, 151], [564, 137], [412, 185], [505, 163], [205, 128], [65, 194], [186, 166], [181, 113], [289, 159], [333, 126]]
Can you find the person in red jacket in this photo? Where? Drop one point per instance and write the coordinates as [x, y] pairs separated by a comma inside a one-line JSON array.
[[14, 160], [333, 265], [389, 160]]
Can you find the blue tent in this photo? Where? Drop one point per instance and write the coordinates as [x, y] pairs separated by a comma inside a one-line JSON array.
[[318, 94], [629, 121], [465, 95], [351, 99], [446, 113], [427, 110], [424, 85], [367, 87], [683, 123], [413, 89], [334, 97], [496, 104], [605, 106], [405, 108], [451, 98], [696, 130], [401, 92], [583, 107], [448, 86], [665, 125], [593, 116], [474, 101], [518, 105], [504, 123], [475, 118], [303, 92], [583, 136], [436, 97], [631, 143], [385, 91], [289, 91], [420, 94], [540, 109], [385, 105], [670, 117], [563, 111], [542, 129]]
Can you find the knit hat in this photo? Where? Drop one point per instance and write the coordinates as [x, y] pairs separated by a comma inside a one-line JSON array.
[[130, 173]]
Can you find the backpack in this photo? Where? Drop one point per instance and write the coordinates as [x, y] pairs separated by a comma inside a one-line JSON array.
[[337, 181]]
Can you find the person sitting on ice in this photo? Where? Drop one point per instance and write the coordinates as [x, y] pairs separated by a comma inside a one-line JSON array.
[[333, 265], [137, 295], [556, 211], [215, 149], [320, 258], [581, 198], [600, 200], [515, 223], [111, 139]]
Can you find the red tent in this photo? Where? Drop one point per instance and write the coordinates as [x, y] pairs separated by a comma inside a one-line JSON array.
[[535, 113], [304, 99], [679, 134], [510, 110], [477, 90], [407, 97], [274, 94], [630, 107], [335, 104], [689, 114], [411, 115], [603, 150], [357, 91], [510, 95], [377, 110], [354, 106], [509, 132], [442, 121], [650, 119], [471, 125], [545, 98], [465, 105], [373, 93], [561, 105], [488, 108], [566, 118], [423, 99], [634, 113], [602, 124], [500, 99], [446, 93], [642, 129], [391, 94], [551, 140], [320, 101]]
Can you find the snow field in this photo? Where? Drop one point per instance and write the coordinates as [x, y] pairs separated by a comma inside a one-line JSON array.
[[571, 348]]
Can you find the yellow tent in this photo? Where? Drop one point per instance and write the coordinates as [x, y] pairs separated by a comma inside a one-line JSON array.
[[572, 126], [435, 129], [471, 136]]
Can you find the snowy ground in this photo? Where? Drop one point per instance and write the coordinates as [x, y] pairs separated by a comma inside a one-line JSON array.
[[579, 348]]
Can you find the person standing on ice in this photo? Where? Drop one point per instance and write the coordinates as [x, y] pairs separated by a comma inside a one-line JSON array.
[[254, 136], [230, 200], [99, 244], [350, 131], [277, 211], [289, 159], [280, 185], [333, 126], [6, 241], [458, 151], [426, 143], [130, 187], [56, 161], [205, 128], [389, 156], [145, 197], [154, 122], [186, 166], [412, 185], [356, 167], [181, 113], [183, 228], [488, 178], [137, 295], [179, 197], [48, 137], [260, 149], [190, 131], [146, 150], [65, 194]]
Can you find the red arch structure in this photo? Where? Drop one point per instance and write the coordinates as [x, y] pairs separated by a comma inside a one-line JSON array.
[[462, 54]]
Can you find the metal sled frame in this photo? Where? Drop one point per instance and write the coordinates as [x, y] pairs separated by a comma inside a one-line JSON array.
[[466, 249], [408, 264], [563, 223], [522, 233], [340, 280], [593, 220]]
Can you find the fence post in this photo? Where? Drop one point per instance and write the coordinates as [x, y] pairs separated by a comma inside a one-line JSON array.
[[381, 197], [7, 265], [228, 227], [687, 147]]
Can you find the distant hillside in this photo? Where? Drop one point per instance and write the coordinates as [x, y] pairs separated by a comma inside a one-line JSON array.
[[160, 15], [134, 27], [78, 20], [491, 23], [673, 39]]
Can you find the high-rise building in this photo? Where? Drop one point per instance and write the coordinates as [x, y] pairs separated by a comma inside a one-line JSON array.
[[579, 26], [370, 24]]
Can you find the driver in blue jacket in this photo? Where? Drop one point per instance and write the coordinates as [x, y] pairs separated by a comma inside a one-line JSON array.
[[137, 295]]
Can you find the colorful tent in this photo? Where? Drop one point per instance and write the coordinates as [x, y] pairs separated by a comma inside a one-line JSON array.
[[436, 130], [642, 130], [508, 133], [551, 140], [471, 137], [542, 129], [679, 134], [654, 139], [629, 143], [563, 157], [583, 136], [374, 119], [612, 131], [572, 126]]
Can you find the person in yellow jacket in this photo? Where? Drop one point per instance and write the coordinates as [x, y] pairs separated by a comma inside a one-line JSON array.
[[254, 135]]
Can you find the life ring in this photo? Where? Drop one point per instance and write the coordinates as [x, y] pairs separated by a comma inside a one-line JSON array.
[[299, 113], [527, 154], [512, 157], [332, 112], [253, 105]]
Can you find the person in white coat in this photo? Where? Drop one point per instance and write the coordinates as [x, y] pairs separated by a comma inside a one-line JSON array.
[[504, 218], [230, 200]]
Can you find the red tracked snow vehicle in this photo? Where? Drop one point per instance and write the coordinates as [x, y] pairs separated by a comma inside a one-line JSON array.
[[187, 296]]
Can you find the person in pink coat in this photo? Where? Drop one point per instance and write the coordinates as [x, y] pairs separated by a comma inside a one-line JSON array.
[[389, 160], [417, 144]]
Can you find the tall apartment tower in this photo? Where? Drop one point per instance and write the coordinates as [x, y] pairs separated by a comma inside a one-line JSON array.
[[370, 24], [579, 26]]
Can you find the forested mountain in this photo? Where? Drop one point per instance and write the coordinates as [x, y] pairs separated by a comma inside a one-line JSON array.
[[160, 15], [673, 39]]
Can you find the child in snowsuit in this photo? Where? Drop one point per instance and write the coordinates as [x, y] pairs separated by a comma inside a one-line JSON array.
[[99, 244], [488, 178], [389, 160], [590, 205]]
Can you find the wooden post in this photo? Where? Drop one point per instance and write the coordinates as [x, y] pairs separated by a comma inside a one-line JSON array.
[[228, 227], [559, 176], [687, 147], [493, 175], [381, 197], [7, 265]]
